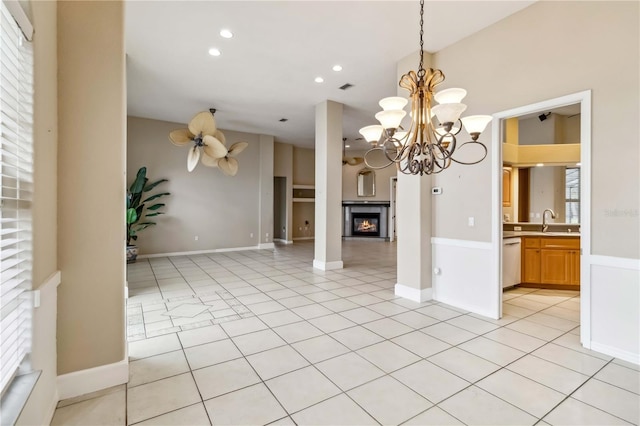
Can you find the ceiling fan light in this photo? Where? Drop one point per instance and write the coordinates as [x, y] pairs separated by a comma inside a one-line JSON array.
[[391, 119], [372, 133], [393, 103], [448, 113], [450, 96], [476, 123]]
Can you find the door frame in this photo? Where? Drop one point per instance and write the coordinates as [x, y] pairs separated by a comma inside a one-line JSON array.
[[584, 99]]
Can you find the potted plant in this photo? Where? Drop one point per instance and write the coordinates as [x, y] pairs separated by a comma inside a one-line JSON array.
[[138, 211]]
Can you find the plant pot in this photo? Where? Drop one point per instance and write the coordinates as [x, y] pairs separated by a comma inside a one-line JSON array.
[[132, 254]]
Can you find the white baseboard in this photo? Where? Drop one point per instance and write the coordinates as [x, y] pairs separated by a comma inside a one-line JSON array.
[[303, 238], [615, 352], [465, 307], [417, 295], [263, 246], [93, 379], [189, 253], [283, 241], [327, 266]]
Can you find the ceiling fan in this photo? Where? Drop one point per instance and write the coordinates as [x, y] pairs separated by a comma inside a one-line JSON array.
[[352, 161]]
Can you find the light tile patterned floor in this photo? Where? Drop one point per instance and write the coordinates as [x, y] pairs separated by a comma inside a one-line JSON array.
[[259, 337]]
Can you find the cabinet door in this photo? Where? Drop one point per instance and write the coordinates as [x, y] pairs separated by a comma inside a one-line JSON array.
[[555, 266], [531, 266], [506, 187], [574, 262]]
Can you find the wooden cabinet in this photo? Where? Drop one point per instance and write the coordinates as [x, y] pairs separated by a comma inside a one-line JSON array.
[[506, 187], [552, 262], [531, 266], [574, 267]]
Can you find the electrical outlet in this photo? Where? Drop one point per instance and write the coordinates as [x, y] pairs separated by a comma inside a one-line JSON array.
[[471, 221], [251, 235], [196, 238]]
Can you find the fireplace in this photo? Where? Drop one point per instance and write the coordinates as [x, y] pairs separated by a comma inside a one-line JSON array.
[[365, 224]]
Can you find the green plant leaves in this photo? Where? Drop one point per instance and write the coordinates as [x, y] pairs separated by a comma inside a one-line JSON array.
[[153, 197], [137, 208], [153, 185], [138, 184], [132, 216]]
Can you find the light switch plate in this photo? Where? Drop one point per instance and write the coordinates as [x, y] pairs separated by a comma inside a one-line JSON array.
[[472, 221]]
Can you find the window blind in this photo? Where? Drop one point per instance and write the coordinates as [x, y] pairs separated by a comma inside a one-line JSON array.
[[16, 174]]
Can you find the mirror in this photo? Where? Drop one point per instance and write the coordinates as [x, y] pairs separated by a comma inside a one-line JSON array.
[[366, 183]]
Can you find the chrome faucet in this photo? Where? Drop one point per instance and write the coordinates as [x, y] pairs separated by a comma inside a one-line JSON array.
[[544, 219]]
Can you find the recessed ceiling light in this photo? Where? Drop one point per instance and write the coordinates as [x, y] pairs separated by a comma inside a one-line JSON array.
[[337, 68], [214, 52], [540, 165], [319, 80], [226, 33], [347, 146], [578, 164]]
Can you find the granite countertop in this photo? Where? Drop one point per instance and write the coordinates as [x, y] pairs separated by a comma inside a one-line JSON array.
[[512, 234]]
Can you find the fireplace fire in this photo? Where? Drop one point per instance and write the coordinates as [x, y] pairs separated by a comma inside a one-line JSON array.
[[366, 224]]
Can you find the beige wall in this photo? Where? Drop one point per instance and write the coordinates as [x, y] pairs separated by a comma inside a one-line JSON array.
[[222, 211], [45, 258], [304, 166], [91, 184], [534, 72], [350, 181], [303, 212]]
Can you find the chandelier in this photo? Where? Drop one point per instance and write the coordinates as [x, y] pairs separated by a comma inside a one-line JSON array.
[[427, 147]]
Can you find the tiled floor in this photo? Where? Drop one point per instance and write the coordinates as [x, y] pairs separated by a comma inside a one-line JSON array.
[[259, 337]]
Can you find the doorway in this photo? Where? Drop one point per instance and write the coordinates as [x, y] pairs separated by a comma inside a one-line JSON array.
[[541, 109], [280, 208]]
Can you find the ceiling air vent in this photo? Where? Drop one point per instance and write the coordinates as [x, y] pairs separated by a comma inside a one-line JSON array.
[[346, 86], [282, 120]]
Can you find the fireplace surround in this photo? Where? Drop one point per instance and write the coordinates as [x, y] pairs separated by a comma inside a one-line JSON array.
[[363, 219]]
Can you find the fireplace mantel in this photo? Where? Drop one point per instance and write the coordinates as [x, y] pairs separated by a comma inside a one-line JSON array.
[[365, 206]]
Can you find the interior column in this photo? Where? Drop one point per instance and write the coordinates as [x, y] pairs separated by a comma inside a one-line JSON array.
[[328, 201], [413, 218], [413, 222]]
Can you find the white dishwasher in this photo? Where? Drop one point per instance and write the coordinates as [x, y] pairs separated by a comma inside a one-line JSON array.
[[510, 262]]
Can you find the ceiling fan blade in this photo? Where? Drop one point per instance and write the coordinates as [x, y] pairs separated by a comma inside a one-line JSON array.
[[237, 148], [209, 161], [213, 147], [204, 123], [228, 165], [220, 136], [180, 137], [192, 158]]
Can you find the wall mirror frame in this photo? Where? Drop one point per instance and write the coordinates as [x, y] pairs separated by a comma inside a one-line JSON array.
[[366, 183]]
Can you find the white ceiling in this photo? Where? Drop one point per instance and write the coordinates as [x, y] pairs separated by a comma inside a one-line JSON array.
[[266, 71]]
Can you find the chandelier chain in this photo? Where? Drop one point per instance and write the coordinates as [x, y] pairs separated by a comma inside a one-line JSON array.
[[421, 70]]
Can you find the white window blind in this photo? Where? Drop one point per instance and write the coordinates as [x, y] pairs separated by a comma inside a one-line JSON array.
[[16, 174]]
